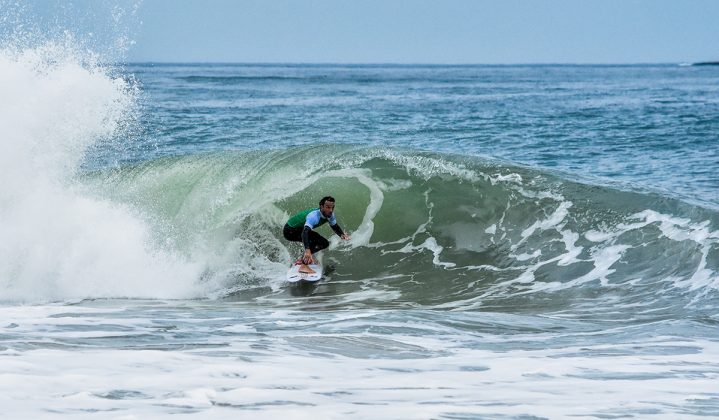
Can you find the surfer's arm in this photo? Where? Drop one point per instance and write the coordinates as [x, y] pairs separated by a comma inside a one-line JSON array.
[[306, 237], [307, 256], [338, 230]]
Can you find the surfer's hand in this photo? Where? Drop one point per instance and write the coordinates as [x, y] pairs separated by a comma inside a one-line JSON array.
[[345, 236], [307, 257]]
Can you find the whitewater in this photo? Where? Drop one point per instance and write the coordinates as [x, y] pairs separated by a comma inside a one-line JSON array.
[[527, 241]]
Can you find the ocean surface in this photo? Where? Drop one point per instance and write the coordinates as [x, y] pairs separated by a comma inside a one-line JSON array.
[[528, 242]]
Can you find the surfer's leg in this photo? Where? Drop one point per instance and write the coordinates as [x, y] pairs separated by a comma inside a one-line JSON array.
[[317, 242], [292, 234]]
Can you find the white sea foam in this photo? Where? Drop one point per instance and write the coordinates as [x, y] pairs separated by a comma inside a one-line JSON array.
[[57, 243], [557, 217], [304, 365], [362, 235], [675, 229]]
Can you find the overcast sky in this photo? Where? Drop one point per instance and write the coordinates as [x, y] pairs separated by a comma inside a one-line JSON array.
[[416, 31]]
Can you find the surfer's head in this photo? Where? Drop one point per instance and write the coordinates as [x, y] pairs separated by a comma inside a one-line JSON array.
[[327, 206]]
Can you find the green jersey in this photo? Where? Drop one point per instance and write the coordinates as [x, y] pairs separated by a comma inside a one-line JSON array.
[[310, 217]]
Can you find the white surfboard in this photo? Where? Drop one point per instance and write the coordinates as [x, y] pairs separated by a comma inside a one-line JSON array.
[[303, 272]]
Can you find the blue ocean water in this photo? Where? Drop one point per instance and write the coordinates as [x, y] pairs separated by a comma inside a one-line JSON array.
[[644, 126], [527, 241]]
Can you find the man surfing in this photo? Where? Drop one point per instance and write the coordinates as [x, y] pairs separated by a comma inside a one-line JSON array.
[[299, 228]]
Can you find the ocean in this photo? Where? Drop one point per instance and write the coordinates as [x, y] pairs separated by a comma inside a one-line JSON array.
[[528, 241]]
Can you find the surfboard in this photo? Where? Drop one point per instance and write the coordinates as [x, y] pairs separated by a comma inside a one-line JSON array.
[[302, 272]]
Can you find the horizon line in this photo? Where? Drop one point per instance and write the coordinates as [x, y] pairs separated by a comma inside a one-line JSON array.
[[398, 64]]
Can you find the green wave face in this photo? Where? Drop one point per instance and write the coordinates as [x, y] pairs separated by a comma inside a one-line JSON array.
[[442, 231]]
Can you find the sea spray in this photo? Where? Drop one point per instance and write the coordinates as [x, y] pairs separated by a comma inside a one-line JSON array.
[[56, 103], [104, 29]]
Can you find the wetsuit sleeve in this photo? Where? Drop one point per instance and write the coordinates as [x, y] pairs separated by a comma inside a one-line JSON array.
[[338, 230], [306, 237]]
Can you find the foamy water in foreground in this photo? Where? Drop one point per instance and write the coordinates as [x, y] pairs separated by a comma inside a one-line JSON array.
[[148, 359]]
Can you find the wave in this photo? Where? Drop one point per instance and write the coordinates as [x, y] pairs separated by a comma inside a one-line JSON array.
[[428, 229], [57, 243], [432, 230]]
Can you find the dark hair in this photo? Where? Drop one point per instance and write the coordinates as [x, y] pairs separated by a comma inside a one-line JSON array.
[[328, 198]]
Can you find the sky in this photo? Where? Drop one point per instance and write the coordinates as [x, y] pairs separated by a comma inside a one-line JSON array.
[[404, 31]]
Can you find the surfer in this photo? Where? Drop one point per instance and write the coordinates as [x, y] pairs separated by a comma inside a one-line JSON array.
[[299, 228]]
